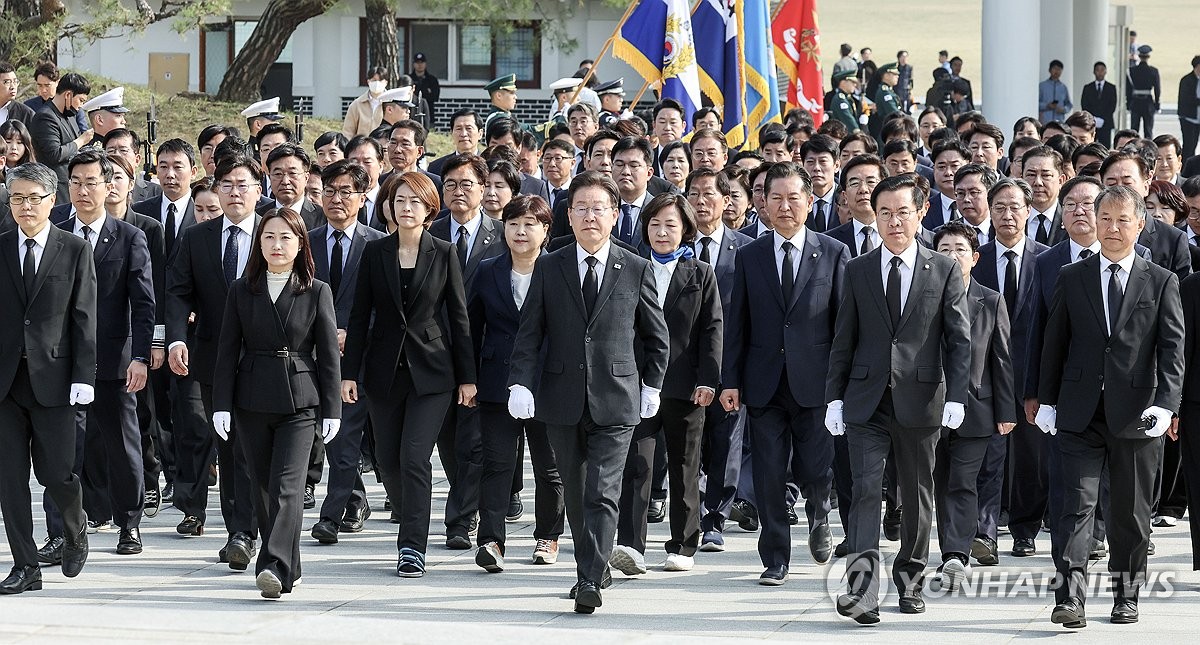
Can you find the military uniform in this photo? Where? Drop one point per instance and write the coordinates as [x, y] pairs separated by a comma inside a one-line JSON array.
[[1143, 92], [886, 104], [609, 118], [506, 82], [110, 101], [842, 106]]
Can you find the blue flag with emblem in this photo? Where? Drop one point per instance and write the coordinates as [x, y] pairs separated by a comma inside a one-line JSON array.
[[716, 36], [760, 86], [656, 40]]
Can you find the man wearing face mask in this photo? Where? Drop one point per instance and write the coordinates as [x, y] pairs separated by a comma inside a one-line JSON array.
[[366, 112], [55, 132]]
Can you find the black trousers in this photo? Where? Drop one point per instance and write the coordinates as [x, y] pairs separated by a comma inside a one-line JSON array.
[[1104, 135], [843, 480], [405, 426], [501, 439], [681, 425], [1132, 464], [156, 425], [461, 451], [54, 520], [1191, 136], [345, 491], [1189, 456], [722, 462], [787, 434], [591, 459], [955, 473], [1141, 115], [1170, 491], [114, 438], [1029, 500], [989, 485], [237, 492], [31, 433], [914, 453], [316, 462], [194, 446], [277, 447]]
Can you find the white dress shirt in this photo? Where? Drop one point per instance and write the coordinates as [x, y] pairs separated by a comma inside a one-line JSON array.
[[601, 255], [827, 207], [95, 228], [858, 235], [180, 207], [984, 227], [1002, 262], [1077, 248], [245, 235], [946, 203], [908, 260], [38, 248], [1126, 265], [472, 226], [1032, 224], [714, 247], [662, 278], [298, 207], [798, 242], [330, 240]]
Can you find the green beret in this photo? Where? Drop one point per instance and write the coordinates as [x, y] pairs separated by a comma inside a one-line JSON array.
[[845, 74], [506, 82]]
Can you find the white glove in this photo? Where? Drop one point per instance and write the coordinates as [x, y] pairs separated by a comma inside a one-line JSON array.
[[221, 421], [82, 394], [953, 415], [863, 119], [1046, 419], [1162, 420], [833, 419], [650, 401], [1099, 122], [520, 402], [329, 429]]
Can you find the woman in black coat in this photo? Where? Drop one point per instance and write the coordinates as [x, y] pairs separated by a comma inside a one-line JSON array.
[[687, 291], [278, 371], [495, 311], [415, 361]]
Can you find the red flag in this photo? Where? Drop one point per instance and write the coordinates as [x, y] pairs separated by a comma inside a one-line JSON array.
[[797, 42]]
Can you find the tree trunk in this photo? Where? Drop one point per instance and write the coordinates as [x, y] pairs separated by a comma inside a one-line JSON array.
[[22, 39], [382, 49], [243, 80]]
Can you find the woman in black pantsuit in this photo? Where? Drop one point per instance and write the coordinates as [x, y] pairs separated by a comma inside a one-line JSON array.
[[495, 311], [277, 363], [415, 358], [687, 291]]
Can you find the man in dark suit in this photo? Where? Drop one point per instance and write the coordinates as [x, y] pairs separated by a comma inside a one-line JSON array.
[[10, 108], [208, 257], [1167, 244], [948, 157], [287, 168], [337, 250], [784, 390], [173, 208], [48, 337], [1008, 265], [821, 161], [476, 237], [112, 458], [898, 372], [1112, 406], [1189, 110], [598, 156], [991, 411], [593, 388], [55, 132], [971, 185], [126, 143], [632, 169], [1100, 99], [1042, 168], [406, 146], [465, 129]]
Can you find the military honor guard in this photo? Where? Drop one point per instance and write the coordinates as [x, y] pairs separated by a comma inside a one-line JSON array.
[[612, 95]]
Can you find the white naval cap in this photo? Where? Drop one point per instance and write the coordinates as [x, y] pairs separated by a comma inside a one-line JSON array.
[[268, 108], [402, 95], [111, 101], [568, 83]]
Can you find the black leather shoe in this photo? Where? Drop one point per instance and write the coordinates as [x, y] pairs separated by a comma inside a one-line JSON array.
[[458, 542], [774, 576], [356, 519], [168, 493], [22, 579], [792, 518], [820, 543], [587, 597], [325, 532], [851, 605], [1125, 612], [1069, 613], [842, 549], [1024, 547], [75, 553], [387, 503], [310, 496], [891, 524], [605, 583], [983, 549], [191, 525], [745, 514], [657, 511], [516, 508], [51, 551], [911, 602], [223, 554], [129, 542], [1098, 550], [240, 550]]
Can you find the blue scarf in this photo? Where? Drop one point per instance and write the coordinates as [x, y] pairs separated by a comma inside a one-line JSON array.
[[684, 251]]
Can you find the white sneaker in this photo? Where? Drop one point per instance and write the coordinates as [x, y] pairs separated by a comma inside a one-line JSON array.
[[1164, 520], [677, 562], [627, 560]]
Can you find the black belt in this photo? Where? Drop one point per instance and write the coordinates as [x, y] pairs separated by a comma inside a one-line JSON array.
[[278, 353]]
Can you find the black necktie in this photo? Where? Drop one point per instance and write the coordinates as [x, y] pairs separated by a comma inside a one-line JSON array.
[[704, 255], [87, 234], [591, 286], [170, 228], [625, 232], [28, 268], [230, 260], [868, 244], [893, 293], [1010, 282], [462, 247], [819, 216], [1115, 294], [1043, 232], [335, 261], [1085, 254], [954, 214], [788, 279]]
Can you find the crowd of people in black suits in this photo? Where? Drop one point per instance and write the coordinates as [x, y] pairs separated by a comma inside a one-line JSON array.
[[928, 325]]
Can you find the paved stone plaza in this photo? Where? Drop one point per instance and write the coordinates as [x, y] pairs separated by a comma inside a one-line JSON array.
[[177, 592]]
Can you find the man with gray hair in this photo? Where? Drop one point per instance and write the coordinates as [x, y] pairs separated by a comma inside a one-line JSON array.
[[47, 336], [1112, 406]]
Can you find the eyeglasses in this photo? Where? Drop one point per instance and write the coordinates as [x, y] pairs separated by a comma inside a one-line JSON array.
[[120, 150], [595, 211], [869, 184], [452, 186], [340, 193], [1006, 208], [10, 82], [19, 200], [955, 253], [898, 216], [552, 159], [280, 176], [227, 188], [89, 185], [706, 195], [1070, 206]]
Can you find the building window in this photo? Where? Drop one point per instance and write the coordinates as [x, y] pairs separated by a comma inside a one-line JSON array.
[[473, 55], [516, 53]]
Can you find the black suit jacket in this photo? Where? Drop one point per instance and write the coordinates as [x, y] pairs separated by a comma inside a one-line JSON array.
[[18, 111], [343, 300], [195, 283], [125, 303], [1189, 293], [312, 214], [54, 144], [143, 190], [589, 362], [158, 260], [934, 217], [1100, 104], [693, 313], [1023, 317], [990, 397], [845, 234], [489, 242], [1168, 245], [926, 358], [495, 320], [726, 266], [531, 185], [1057, 232], [1187, 96], [152, 208], [279, 357], [831, 216], [767, 338], [385, 329], [56, 324], [1141, 364]]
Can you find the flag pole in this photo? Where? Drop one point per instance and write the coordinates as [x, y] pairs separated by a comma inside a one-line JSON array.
[[603, 50], [639, 94]]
